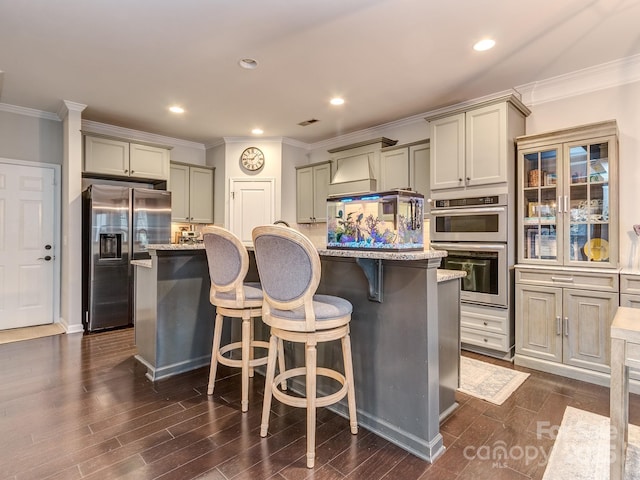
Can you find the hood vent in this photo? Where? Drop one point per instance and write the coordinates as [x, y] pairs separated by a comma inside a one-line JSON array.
[[354, 172]]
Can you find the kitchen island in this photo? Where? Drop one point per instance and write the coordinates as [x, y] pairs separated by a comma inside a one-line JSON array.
[[394, 331]]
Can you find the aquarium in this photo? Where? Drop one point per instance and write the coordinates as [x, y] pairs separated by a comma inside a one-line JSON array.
[[390, 221]]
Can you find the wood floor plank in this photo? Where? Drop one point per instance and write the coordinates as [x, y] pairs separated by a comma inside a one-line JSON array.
[[81, 407]]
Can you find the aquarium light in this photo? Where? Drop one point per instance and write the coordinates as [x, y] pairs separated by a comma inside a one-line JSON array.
[[346, 199], [372, 197]]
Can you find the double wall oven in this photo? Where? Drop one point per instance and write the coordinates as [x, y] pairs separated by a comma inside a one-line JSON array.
[[476, 234]]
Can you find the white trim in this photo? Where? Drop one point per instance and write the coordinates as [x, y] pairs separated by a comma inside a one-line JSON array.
[[599, 77], [130, 134], [57, 227], [29, 112]]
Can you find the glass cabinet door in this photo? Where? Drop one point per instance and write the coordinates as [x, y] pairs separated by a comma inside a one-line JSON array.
[[541, 181], [587, 202]]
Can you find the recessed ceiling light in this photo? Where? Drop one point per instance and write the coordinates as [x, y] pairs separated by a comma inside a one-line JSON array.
[[483, 45], [248, 63], [337, 101], [176, 109], [257, 131]]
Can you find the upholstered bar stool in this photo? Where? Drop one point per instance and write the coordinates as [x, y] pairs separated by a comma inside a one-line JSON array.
[[289, 268], [228, 265]]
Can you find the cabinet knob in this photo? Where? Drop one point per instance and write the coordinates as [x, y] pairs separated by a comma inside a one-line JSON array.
[[485, 323], [486, 340], [459, 180], [126, 171], [132, 172]]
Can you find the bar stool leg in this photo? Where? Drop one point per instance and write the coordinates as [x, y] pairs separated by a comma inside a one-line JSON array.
[[268, 384], [246, 347], [215, 348], [311, 363], [348, 373], [281, 365], [251, 350]]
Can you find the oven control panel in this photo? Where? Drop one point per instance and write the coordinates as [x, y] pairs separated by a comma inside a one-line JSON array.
[[470, 202]]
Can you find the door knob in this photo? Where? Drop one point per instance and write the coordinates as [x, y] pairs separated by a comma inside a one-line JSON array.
[[47, 247], [47, 258]]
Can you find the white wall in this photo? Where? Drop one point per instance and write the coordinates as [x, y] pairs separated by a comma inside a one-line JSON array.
[[30, 137]]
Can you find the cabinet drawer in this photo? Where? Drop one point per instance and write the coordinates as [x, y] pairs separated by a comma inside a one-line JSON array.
[[483, 322], [630, 284], [602, 282], [632, 301], [484, 339]]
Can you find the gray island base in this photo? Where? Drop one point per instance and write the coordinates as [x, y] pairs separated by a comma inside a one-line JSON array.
[[395, 341]]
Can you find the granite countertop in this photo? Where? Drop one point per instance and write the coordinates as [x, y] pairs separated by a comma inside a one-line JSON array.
[[382, 255], [445, 275], [142, 263]]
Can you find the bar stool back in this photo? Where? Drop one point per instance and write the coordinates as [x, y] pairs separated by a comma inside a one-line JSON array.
[[228, 266], [289, 268]]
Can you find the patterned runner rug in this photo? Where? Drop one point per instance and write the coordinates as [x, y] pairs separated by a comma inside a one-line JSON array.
[[487, 381], [581, 450], [27, 333]]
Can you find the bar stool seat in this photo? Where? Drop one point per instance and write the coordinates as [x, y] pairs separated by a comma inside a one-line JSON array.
[[228, 266], [296, 314]]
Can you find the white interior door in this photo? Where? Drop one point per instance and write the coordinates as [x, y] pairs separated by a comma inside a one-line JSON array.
[[26, 245], [252, 204]]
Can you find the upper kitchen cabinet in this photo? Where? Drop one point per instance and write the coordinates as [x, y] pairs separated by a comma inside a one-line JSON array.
[[568, 199], [473, 147], [119, 158], [191, 193], [312, 186], [405, 166]]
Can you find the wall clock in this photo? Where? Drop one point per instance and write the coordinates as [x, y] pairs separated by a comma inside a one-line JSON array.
[[252, 159]]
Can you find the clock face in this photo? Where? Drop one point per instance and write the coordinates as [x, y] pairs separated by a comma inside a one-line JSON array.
[[252, 159]]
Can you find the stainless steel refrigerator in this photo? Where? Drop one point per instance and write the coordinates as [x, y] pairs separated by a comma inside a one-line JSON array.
[[118, 224]]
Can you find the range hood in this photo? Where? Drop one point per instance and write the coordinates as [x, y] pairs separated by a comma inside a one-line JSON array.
[[354, 169]]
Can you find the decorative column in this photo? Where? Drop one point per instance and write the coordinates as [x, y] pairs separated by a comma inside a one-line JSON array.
[[71, 250]]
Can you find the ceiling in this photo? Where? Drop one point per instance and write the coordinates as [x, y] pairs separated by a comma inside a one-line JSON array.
[[129, 60]]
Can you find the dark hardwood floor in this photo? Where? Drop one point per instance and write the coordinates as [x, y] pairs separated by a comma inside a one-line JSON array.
[[74, 406]]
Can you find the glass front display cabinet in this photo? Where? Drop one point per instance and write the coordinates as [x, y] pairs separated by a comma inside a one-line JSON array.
[[567, 205]]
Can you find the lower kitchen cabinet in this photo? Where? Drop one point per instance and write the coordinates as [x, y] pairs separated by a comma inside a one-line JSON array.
[[563, 321], [630, 290]]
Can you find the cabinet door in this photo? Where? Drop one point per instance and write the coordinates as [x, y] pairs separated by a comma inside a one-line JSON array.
[[538, 322], [106, 156], [419, 169], [394, 169], [586, 328], [540, 217], [179, 186], [591, 212], [201, 195], [304, 195], [321, 179], [486, 145], [149, 162], [447, 152]]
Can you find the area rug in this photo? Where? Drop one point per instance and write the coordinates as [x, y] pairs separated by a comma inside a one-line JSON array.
[[581, 450], [487, 381], [28, 333]]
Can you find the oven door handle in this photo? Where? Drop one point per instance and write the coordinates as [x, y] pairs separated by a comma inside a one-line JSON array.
[[469, 246], [468, 210]]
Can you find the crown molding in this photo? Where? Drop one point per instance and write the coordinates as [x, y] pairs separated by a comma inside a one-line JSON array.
[[115, 131], [69, 106], [599, 77], [29, 112]]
